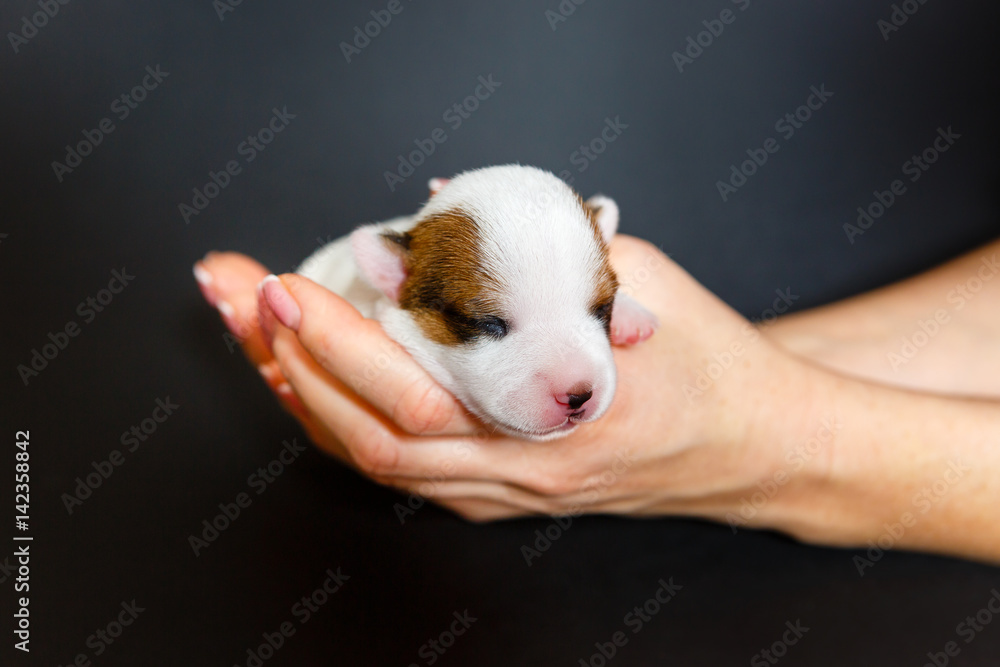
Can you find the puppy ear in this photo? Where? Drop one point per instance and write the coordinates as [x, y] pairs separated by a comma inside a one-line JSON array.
[[631, 322], [380, 254], [605, 212], [435, 184]]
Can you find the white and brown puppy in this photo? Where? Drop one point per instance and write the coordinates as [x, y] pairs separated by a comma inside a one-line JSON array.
[[501, 288]]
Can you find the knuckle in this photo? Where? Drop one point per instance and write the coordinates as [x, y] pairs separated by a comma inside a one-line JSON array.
[[285, 370], [472, 513], [424, 408], [400, 484], [375, 452], [324, 347], [550, 483]]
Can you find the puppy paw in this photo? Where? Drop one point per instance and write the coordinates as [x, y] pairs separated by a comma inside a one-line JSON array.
[[631, 323]]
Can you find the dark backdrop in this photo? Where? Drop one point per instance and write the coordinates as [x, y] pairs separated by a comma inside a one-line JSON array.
[[681, 130]]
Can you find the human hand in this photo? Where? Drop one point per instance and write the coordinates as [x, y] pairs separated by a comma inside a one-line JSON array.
[[684, 435]]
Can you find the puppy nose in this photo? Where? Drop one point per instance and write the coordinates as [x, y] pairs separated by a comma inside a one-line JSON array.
[[576, 400], [576, 397]]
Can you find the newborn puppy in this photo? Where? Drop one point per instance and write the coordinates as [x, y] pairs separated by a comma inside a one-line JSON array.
[[501, 288]]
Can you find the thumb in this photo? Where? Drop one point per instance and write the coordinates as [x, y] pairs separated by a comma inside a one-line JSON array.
[[358, 353]]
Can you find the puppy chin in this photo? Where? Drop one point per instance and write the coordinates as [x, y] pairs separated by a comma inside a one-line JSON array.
[[541, 431], [541, 436]]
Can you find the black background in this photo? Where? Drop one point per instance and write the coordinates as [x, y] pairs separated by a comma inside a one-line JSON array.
[[323, 175]]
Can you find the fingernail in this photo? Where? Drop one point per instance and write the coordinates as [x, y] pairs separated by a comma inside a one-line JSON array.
[[270, 374], [281, 302], [228, 314], [291, 399], [205, 283]]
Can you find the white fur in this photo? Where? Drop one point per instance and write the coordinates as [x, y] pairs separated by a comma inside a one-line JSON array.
[[537, 242]]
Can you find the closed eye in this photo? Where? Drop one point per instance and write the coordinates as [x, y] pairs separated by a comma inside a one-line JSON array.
[[492, 326]]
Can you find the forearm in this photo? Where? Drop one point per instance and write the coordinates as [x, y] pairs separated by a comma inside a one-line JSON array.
[[938, 331], [901, 470]]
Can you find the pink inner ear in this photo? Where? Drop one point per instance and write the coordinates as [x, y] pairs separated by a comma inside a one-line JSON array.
[[380, 264], [435, 184]]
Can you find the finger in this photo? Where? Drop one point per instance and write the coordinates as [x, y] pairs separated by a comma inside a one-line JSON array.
[[479, 510], [377, 446], [228, 280], [277, 383], [445, 491], [358, 353], [290, 400]]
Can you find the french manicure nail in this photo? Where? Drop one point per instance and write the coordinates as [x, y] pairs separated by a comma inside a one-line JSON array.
[[291, 399], [267, 372], [228, 314], [205, 283], [281, 302]]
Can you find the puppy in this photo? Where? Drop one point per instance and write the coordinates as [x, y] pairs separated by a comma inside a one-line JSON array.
[[501, 288]]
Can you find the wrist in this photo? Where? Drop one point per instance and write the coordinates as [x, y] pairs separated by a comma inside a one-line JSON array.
[[889, 474], [789, 437]]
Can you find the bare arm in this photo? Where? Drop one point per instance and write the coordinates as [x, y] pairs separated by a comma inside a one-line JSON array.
[[938, 331], [871, 465]]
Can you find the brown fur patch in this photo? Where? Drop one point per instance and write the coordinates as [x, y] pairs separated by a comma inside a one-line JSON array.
[[605, 278], [446, 289]]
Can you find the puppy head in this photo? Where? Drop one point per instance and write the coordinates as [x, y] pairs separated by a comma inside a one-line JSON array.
[[504, 293]]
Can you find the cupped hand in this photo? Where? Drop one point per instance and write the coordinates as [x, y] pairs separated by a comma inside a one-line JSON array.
[[685, 435]]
